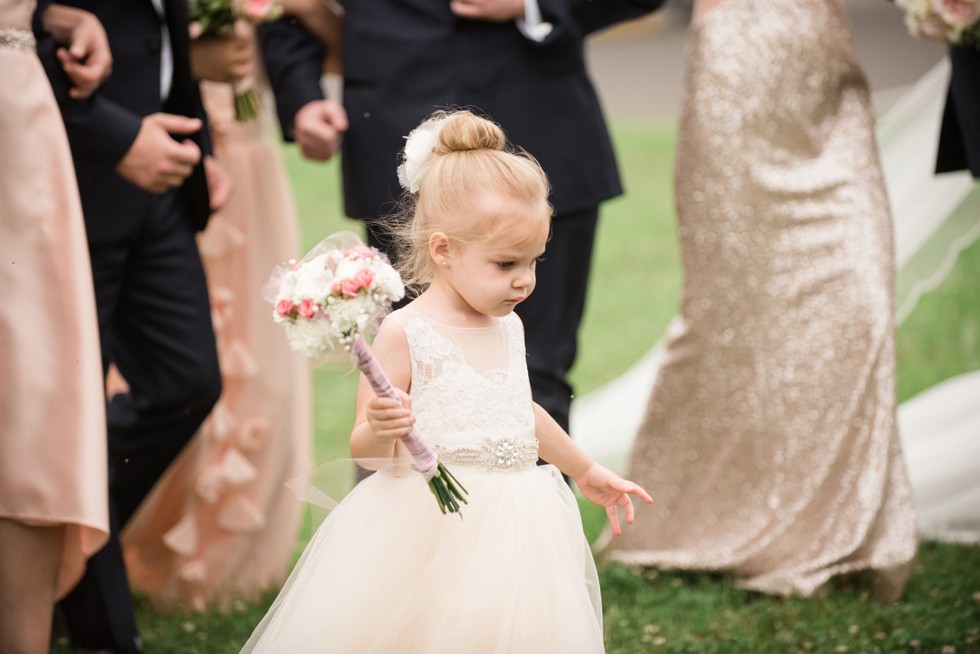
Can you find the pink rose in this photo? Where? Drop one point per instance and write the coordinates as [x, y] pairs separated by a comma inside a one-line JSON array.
[[365, 276], [307, 308], [958, 13], [258, 10], [286, 308], [362, 252], [350, 287], [335, 289]]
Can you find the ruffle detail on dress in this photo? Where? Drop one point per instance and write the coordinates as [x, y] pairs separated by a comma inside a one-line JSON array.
[[219, 424], [237, 469], [221, 298], [234, 469], [236, 361], [241, 515], [220, 238], [193, 571], [182, 537], [251, 433]]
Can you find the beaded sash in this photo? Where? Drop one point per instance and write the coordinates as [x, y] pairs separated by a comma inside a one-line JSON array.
[[17, 39], [507, 453]]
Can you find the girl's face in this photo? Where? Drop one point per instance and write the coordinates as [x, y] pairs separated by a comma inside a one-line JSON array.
[[491, 278]]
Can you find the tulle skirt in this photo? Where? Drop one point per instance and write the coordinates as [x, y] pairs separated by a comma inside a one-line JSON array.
[[386, 572]]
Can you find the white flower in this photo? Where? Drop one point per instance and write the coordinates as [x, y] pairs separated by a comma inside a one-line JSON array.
[[418, 148], [331, 298]]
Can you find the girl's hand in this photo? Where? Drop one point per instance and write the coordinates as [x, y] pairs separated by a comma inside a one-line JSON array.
[[607, 489], [390, 419], [86, 59]]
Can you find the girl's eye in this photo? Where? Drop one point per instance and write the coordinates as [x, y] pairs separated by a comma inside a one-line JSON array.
[[505, 264]]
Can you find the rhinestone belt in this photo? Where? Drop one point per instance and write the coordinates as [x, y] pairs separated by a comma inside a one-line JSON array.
[[17, 39], [507, 453]]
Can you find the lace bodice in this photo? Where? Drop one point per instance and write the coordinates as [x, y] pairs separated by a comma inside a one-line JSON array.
[[469, 385]]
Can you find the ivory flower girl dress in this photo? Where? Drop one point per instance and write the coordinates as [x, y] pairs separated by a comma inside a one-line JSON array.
[[387, 572]]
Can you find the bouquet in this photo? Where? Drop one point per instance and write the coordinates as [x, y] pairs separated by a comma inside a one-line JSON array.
[[954, 22], [217, 18], [327, 303]]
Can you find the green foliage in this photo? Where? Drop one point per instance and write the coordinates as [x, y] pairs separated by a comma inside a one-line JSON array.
[[634, 292], [216, 17]]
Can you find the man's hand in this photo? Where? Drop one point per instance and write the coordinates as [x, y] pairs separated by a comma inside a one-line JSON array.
[[156, 162], [220, 183], [499, 11], [87, 59], [319, 126], [224, 58]]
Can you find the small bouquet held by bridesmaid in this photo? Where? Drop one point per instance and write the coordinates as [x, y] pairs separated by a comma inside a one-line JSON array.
[[954, 22], [328, 303], [217, 18]]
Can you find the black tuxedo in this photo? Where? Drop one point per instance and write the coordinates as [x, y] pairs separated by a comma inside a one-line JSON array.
[[959, 138], [154, 315], [403, 58]]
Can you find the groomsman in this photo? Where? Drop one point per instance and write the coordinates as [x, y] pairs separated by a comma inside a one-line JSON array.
[[519, 62], [959, 139], [139, 145]]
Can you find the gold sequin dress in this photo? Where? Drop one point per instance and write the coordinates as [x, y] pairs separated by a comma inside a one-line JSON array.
[[770, 443]]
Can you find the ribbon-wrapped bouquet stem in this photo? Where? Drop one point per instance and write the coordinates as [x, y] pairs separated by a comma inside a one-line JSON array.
[[219, 18], [328, 303]]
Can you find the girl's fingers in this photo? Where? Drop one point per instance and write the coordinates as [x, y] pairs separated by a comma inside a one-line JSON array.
[[641, 493], [613, 517], [627, 504]]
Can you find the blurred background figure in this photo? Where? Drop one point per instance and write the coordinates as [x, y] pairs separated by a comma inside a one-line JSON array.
[[141, 150], [770, 440], [221, 524], [53, 497]]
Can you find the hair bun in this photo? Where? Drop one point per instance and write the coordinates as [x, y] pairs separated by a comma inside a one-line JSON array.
[[464, 131]]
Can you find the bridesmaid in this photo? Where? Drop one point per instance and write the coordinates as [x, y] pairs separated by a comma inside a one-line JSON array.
[[770, 436], [53, 485], [221, 524]]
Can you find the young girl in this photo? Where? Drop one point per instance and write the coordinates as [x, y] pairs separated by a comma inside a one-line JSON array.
[[387, 572]]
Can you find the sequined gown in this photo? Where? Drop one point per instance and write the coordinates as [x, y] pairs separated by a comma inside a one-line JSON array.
[[387, 573], [52, 408], [770, 442], [221, 524]]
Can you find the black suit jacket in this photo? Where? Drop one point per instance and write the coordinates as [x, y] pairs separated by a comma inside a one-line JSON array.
[[959, 138], [102, 128], [403, 58]]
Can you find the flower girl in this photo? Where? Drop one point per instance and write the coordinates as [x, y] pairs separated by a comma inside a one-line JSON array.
[[387, 572]]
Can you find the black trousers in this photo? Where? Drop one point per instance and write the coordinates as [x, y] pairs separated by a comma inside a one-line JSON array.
[[553, 312], [155, 326]]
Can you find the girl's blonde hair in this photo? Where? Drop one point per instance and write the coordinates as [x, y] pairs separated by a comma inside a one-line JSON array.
[[474, 188]]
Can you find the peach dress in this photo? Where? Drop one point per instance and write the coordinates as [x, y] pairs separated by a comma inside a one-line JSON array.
[[52, 411], [221, 524]]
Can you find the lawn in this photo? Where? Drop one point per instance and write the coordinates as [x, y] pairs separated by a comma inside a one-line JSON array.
[[634, 292]]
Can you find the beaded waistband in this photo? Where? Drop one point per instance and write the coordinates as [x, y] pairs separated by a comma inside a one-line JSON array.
[[507, 453], [17, 39]]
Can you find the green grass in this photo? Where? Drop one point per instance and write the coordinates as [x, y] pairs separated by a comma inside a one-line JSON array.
[[634, 292]]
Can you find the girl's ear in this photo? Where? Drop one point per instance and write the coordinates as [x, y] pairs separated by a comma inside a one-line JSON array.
[[439, 246]]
